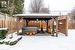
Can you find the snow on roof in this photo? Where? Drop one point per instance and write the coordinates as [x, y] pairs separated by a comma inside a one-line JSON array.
[[36, 15], [52, 13]]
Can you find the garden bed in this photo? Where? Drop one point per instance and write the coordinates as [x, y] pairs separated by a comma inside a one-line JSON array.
[[11, 41], [3, 32]]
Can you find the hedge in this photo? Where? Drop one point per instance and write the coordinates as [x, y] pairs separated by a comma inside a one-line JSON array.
[[3, 34]]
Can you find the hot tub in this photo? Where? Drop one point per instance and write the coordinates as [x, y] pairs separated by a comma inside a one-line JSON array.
[[29, 30]]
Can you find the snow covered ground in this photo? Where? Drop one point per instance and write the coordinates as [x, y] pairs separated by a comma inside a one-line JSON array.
[[44, 43]]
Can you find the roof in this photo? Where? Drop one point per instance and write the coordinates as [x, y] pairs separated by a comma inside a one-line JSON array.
[[36, 15], [29, 16]]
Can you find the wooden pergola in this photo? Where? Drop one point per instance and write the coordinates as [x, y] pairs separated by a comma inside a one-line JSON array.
[[45, 17]]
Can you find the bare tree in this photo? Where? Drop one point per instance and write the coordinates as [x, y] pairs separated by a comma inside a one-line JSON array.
[[44, 10], [36, 5]]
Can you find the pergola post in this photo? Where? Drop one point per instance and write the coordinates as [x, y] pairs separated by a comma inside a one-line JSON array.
[[52, 31], [26, 22], [47, 25], [66, 32], [41, 26], [17, 25], [56, 26]]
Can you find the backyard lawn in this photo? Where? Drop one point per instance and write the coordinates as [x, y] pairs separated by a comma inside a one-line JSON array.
[[44, 43]]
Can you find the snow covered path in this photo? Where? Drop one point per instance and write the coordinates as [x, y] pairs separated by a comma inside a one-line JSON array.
[[44, 43]]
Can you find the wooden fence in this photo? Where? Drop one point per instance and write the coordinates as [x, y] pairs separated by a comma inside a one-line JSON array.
[[10, 23], [71, 25]]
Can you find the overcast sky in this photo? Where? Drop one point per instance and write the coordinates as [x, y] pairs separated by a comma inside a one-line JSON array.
[[54, 5]]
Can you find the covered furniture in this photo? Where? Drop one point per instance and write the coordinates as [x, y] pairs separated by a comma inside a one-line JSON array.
[[29, 30]]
